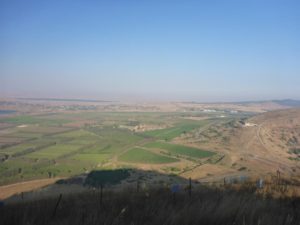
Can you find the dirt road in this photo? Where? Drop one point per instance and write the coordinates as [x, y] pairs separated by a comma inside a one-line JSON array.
[[12, 189]]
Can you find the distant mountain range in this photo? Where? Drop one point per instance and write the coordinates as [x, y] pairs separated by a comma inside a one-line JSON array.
[[288, 102], [283, 102], [63, 100]]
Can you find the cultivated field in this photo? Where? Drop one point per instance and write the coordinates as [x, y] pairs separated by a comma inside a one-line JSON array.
[[207, 145], [139, 155]]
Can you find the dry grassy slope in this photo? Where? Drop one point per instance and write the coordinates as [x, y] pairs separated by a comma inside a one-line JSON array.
[[258, 149], [208, 206], [288, 117], [279, 130], [271, 140]]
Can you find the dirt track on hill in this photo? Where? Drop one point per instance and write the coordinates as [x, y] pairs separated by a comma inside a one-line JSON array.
[[12, 189]]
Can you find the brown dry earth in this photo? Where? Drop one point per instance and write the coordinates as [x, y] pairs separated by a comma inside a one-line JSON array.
[[256, 150], [12, 189]]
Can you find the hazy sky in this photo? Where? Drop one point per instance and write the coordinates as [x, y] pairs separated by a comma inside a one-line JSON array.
[[173, 50]]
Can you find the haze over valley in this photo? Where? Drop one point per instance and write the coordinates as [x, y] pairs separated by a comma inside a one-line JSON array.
[[150, 112]]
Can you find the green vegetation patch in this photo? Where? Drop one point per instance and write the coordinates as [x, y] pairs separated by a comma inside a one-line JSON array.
[[295, 159], [67, 167], [97, 178], [99, 148], [18, 148], [295, 151], [114, 140], [181, 150], [33, 120], [54, 151], [78, 137], [21, 120], [172, 132], [139, 155], [78, 134], [93, 158]]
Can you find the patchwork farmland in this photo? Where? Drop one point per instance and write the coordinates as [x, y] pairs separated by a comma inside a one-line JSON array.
[[65, 145], [203, 146]]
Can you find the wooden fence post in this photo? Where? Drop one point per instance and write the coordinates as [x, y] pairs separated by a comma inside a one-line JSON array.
[[101, 194], [190, 187], [56, 206], [278, 177]]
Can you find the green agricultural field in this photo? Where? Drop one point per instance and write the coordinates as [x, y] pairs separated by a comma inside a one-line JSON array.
[[42, 129], [13, 164], [139, 155], [21, 120], [33, 120], [99, 148], [92, 158], [17, 169], [26, 135], [49, 143], [18, 148], [54, 151], [80, 133], [177, 130], [115, 140], [79, 137], [180, 150], [68, 167]]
